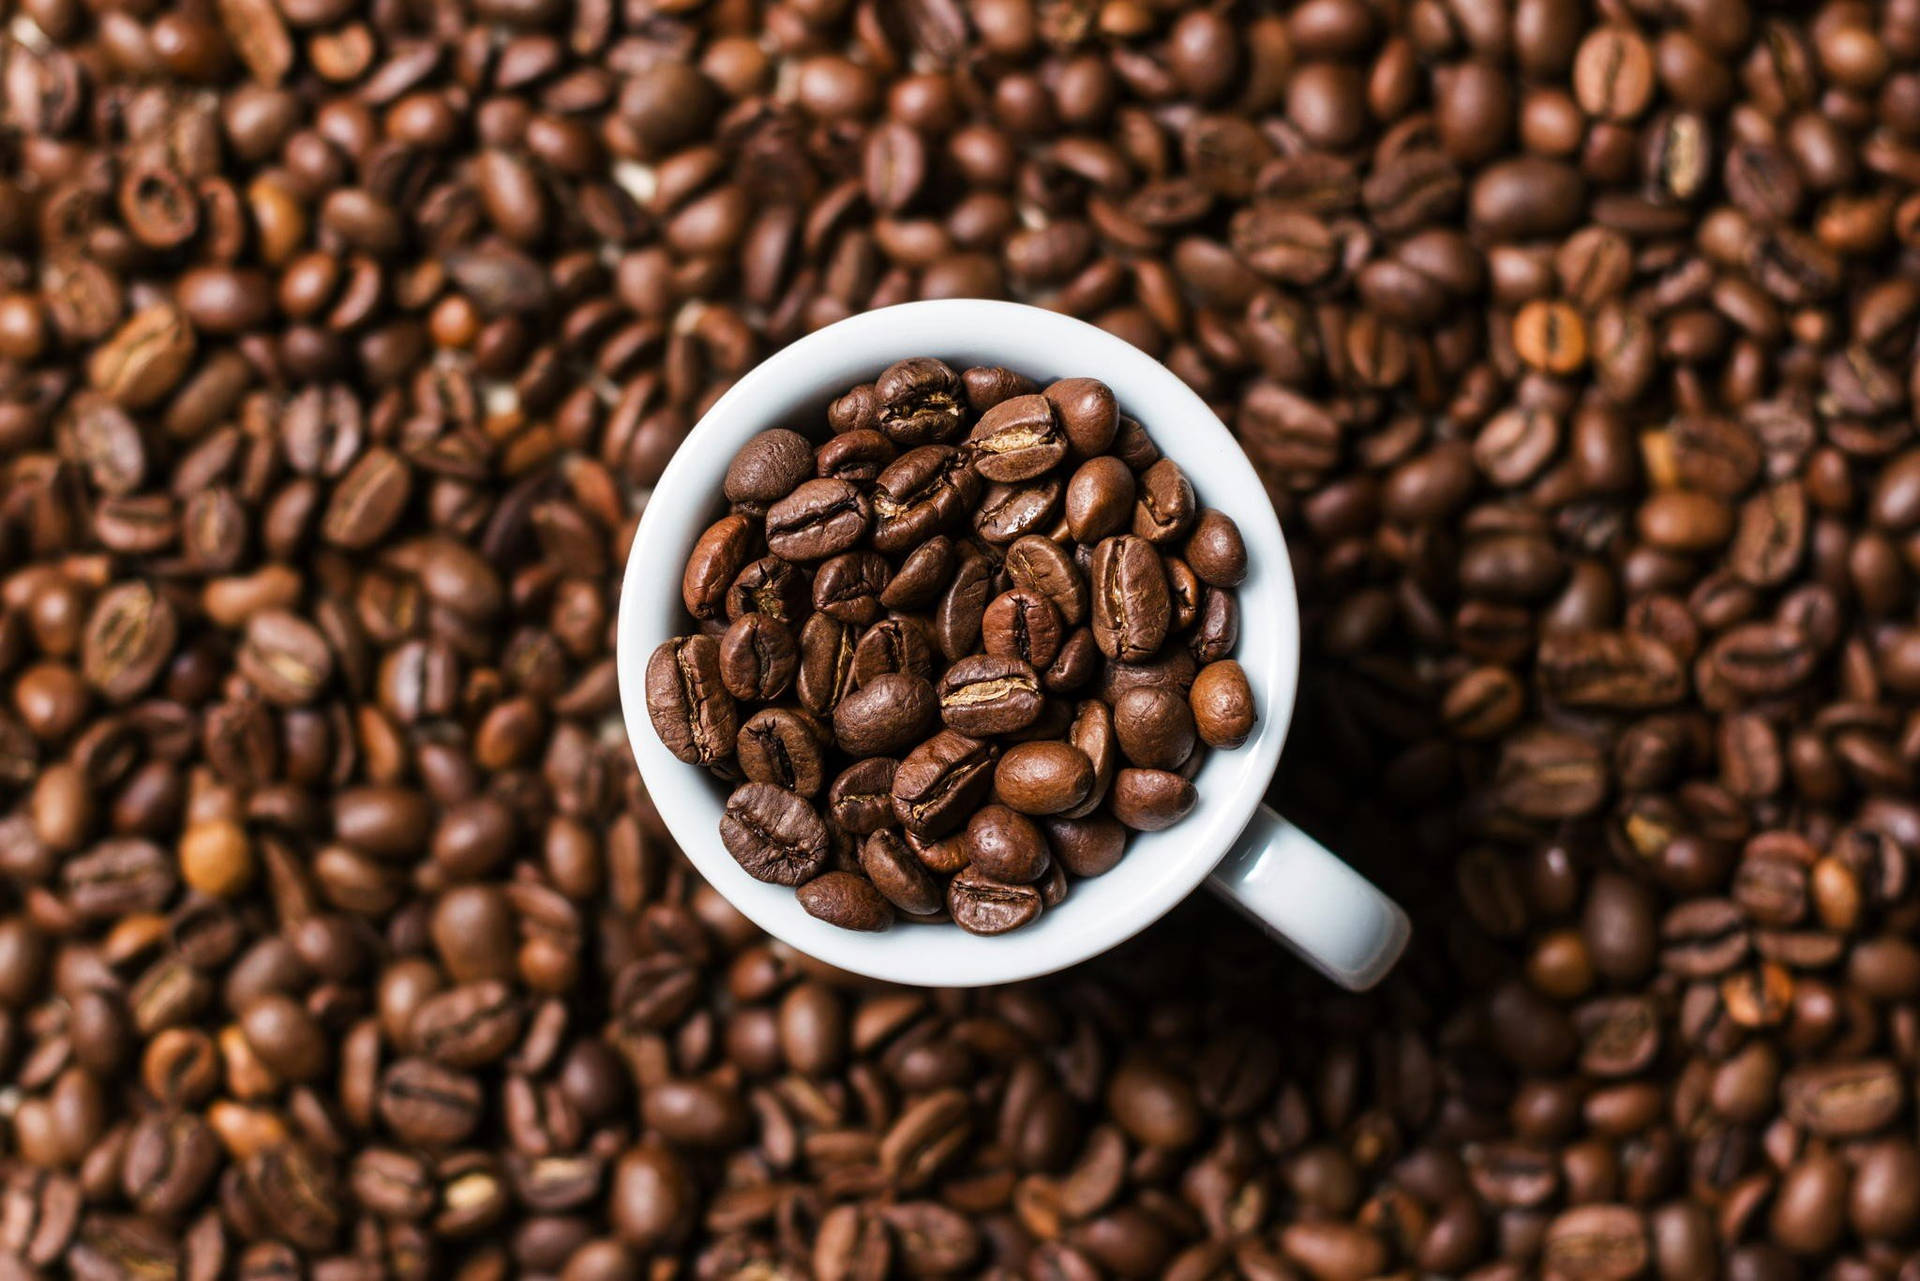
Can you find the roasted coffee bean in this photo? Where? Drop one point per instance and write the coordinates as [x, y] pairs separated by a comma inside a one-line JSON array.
[[899, 874], [861, 797], [848, 587], [986, 695], [1166, 508], [783, 747], [688, 702], [1100, 499], [962, 608], [1017, 440], [886, 716], [848, 901], [770, 586], [775, 835], [892, 645], [1024, 625], [981, 905], [758, 658], [819, 519], [919, 496], [1131, 609], [1087, 412], [1043, 777], [922, 575], [941, 782], [1006, 846], [1224, 711], [1010, 512], [857, 456], [717, 560], [919, 401], [767, 469], [1154, 727], [1042, 566], [1148, 800], [825, 673]]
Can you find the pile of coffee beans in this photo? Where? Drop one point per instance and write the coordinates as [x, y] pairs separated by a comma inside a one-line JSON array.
[[901, 628], [339, 340]]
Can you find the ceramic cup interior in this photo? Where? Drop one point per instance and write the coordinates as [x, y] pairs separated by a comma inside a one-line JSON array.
[[792, 388]]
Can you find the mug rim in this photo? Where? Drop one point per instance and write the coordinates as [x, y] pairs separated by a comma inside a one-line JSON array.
[[1170, 864]]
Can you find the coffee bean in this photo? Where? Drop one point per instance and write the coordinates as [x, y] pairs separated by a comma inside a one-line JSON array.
[[687, 700], [1154, 727], [1042, 777], [1017, 439], [819, 519], [897, 645], [718, 558], [767, 469], [783, 747], [886, 716], [899, 874], [984, 695], [1131, 610], [919, 401], [775, 835], [941, 782], [758, 657], [1022, 625], [848, 901], [848, 587], [1006, 846], [1041, 566], [1224, 712], [981, 905], [1100, 499]]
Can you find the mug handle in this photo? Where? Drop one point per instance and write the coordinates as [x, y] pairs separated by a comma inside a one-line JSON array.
[[1323, 911]]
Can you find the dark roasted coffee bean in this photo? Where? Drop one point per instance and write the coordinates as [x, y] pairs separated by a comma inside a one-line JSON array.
[[758, 658], [962, 607], [717, 560], [921, 494], [687, 700], [783, 747], [857, 456], [981, 905], [848, 587], [899, 874], [1148, 800], [1087, 413], [819, 519], [861, 797], [1224, 711], [1017, 440], [1154, 727], [886, 716], [919, 401], [1043, 777], [1100, 499], [767, 469], [770, 586], [1009, 512], [941, 782], [892, 645], [825, 673], [1166, 508], [1006, 846], [984, 695], [1024, 625], [848, 901], [922, 575], [1131, 610], [776, 836]]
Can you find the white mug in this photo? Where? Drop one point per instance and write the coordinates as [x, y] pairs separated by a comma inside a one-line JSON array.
[[1290, 886]]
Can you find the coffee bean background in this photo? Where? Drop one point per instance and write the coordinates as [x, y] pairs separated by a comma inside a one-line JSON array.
[[338, 339]]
